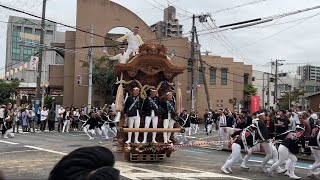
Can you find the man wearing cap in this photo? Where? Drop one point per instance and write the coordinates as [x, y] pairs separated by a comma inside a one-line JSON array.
[[132, 111], [151, 107], [134, 41], [120, 57], [243, 139], [169, 114]]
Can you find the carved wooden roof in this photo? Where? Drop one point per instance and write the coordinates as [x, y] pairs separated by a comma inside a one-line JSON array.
[[150, 61]]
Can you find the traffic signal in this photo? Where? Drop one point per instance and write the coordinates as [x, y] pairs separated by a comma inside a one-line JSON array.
[[79, 80]]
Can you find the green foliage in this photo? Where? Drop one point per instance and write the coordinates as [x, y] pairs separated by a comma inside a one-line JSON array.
[[293, 96], [48, 102], [103, 76], [8, 90], [249, 90]]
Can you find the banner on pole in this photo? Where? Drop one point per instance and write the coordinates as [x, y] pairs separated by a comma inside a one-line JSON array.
[[33, 63]]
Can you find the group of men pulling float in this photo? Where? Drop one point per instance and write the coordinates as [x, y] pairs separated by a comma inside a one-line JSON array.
[[290, 142]]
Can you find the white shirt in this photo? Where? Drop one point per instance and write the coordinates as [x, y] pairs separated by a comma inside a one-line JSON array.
[[60, 112], [314, 116], [44, 115], [222, 120], [76, 113], [120, 57], [134, 41], [1, 112]]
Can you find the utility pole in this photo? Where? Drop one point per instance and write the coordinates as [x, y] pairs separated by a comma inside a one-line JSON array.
[[203, 74], [192, 60], [268, 90], [263, 91], [276, 80], [37, 99], [90, 69]]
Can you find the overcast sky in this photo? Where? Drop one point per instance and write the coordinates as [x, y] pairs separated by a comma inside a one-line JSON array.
[[294, 38]]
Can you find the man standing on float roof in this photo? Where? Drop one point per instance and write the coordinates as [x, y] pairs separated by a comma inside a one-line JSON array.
[[120, 57], [134, 41]]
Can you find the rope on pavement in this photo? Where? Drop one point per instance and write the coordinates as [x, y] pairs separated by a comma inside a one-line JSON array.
[[159, 148]]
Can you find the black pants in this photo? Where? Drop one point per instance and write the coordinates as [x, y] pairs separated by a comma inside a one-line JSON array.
[[60, 124], [43, 125], [51, 125]]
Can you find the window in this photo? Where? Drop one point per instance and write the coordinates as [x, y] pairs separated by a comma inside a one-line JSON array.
[[27, 51], [200, 76], [16, 45], [28, 30], [217, 105], [246, 78], [50, 33], [224, 76], [221, 105], [221, 101], [213, 72], [38, 32], [217, 101]]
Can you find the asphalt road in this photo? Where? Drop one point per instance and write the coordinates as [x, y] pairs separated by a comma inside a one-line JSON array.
[[32, 156]]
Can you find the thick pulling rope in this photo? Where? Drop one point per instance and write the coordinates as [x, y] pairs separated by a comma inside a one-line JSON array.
[[171, 146]]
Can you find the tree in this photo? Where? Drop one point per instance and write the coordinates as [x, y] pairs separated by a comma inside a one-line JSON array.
[[48, 102], [8, 90], [292, 96], [248, 91], [103, 77]]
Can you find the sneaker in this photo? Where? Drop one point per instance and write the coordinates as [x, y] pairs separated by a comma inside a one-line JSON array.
[[269, 172], [137, 142], [144, 142], [244, 166], [230, 170], [169, 141], [263, 169], [224, 170], [154, 142], [282, 172], [128, 142], [310, 174], [294, 177]]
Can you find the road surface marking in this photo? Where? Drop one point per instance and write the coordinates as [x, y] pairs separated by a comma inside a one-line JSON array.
[[11, 152], [8, 142], [46, 150], [300, 165]]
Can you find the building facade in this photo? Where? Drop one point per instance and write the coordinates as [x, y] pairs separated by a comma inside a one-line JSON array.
[[309, 73], [264, 82], [65, 77], [226, 80], [170, 26], [23, 35]]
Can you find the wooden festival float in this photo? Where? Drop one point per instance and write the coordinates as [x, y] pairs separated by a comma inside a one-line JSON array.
[[151, 68]]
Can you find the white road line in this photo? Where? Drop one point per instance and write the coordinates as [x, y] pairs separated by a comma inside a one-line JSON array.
[[8, 142], [46, 150], [11, 152]]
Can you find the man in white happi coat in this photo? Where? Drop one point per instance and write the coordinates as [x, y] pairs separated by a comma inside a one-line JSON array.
[[121, 56], [134, 41]]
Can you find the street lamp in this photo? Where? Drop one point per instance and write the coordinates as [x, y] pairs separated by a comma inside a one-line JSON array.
[[43, 64]]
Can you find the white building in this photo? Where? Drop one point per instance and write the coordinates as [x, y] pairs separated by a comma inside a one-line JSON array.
[[18, 55], [264, 82], [309, 73]]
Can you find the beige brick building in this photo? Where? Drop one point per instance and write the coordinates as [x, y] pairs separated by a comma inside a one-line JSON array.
[[108, 15]]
